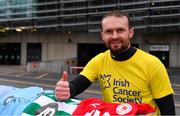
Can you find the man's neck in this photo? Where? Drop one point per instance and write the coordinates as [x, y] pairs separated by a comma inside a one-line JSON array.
[[124, 55]]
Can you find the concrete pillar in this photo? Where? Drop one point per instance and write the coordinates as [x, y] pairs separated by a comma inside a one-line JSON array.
[[44, 51], [23, 53], [173, 56], [178, 52]]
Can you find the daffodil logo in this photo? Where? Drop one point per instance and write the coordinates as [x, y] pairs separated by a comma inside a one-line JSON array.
[[105, 81]]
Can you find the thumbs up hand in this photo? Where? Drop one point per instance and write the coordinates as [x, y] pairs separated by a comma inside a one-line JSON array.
[[62, 90]]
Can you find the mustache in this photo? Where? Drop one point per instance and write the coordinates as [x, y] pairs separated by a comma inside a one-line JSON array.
[[123, 48]]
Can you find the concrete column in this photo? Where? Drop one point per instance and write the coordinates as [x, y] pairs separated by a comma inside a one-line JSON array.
[[144, 41], [44, 51], [23, 53], [173, 56], [173, 53], [178, 53]]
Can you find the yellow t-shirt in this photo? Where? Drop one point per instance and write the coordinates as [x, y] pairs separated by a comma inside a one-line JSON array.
[[140, 79]]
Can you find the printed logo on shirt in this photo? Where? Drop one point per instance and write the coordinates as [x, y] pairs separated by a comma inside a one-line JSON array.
[[47, 110], [95, 104], [123, 93], [95, 112], [123, 90], [105, 81], [123, 109], [13, 99]]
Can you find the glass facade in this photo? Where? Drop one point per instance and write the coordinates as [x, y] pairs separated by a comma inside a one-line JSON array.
[[85, 15], [14, 13]]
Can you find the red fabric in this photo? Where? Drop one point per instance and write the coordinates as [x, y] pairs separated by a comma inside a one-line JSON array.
[[97, 107]]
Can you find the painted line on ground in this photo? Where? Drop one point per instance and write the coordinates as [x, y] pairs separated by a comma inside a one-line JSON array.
[[177, 85], [93, 92], [43, 85], [22, 74], [41, 76], [27, 83], [177, 94], [177, 105]]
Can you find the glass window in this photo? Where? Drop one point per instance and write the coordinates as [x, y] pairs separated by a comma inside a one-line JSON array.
[[17, 8]]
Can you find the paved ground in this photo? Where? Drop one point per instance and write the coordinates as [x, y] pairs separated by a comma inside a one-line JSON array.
[[18, 76]]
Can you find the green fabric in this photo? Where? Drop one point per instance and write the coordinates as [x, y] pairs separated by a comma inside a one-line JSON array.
[[31, 109], [47, 103]]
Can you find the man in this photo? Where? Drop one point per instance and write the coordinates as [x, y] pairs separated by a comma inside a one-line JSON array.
[[126, 74]]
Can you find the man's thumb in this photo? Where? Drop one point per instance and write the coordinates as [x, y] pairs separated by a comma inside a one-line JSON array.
[[64, 76]]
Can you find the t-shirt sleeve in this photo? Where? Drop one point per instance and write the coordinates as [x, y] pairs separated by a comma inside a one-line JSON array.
[[160, 84], [90, 71]]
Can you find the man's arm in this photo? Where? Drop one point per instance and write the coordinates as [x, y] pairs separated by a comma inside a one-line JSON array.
[[166, 105], [78, 85]]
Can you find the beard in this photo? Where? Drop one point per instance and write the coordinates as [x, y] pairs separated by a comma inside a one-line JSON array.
[[118, 49]]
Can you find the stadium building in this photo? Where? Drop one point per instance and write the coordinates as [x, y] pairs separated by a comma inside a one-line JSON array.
[[47, 30]]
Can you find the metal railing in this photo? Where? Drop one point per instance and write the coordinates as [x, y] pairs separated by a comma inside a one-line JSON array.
[[54, 66]]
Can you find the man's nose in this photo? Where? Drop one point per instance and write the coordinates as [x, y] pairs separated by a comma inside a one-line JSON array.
[[115, 34]]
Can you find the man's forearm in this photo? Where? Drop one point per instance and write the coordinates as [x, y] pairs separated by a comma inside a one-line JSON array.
[[78, 85], [166, 105]]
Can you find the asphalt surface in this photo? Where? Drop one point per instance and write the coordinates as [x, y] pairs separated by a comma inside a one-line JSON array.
[[19, 77]]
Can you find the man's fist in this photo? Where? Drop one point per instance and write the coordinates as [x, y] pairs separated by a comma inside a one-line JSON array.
[[62, 89]]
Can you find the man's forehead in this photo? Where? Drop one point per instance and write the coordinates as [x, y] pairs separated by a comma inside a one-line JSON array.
[[115, 22], [111, 18]]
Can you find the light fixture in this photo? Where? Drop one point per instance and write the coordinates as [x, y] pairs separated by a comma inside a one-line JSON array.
[[22, 27], [7, 28], [69, 32], [2, 30], [18, 29], [34, 29]]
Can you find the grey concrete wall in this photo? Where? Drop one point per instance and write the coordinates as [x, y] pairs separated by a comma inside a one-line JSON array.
[[177, 52], [63, 45], [167, 39], [61, 51]]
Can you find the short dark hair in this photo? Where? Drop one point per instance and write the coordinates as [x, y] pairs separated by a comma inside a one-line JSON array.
[[118, 13]]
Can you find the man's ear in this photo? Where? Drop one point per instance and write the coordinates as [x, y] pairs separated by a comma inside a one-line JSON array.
[[102, 36], [131, 31]]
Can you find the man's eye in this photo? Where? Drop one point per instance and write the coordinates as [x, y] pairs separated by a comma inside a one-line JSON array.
[[119, 30], [108, 31]]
